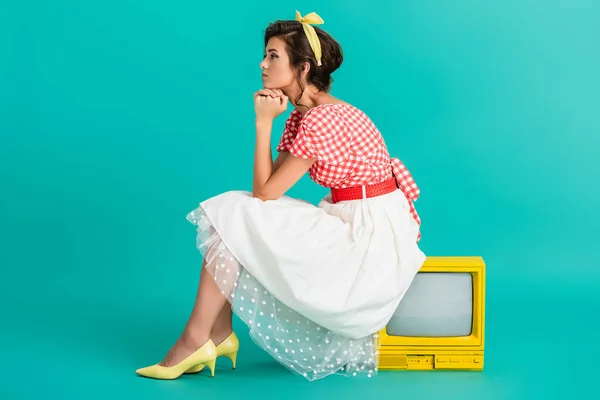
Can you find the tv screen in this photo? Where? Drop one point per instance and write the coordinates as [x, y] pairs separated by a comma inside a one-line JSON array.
[[437, 304]]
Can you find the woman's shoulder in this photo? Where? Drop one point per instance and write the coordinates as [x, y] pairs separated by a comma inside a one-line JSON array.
[[331, 111], [335, 116], [328, 108]]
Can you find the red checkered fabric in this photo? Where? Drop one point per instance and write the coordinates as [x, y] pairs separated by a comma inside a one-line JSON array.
[[349, 149]]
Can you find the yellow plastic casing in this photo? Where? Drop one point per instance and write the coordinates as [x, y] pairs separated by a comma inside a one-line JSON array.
[[441, 353]]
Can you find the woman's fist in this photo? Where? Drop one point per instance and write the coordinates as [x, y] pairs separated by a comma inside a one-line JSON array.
[[269, 103]]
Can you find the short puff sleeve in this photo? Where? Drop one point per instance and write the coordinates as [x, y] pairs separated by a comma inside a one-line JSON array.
[[323, 135], [290, 131]]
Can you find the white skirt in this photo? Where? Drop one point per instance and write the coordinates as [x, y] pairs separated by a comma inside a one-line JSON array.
[[314, 284]]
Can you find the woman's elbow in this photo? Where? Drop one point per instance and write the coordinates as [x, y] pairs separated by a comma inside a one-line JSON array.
[[264, 196]]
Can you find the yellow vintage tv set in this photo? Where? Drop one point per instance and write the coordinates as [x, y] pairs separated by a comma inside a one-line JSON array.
[[439, 324]]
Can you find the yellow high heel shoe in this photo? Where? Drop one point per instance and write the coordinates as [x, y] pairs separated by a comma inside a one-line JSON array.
[[228, 348], [204, 356]]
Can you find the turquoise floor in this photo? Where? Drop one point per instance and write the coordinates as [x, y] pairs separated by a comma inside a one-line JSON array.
[[86, 344]]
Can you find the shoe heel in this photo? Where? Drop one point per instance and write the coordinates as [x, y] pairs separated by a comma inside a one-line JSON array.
[[232, 357], [211, 365]]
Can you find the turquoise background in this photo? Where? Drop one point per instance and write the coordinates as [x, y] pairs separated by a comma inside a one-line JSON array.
[[118, 117]]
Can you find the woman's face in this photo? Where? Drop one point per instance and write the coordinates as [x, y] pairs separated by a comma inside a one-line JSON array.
[[276, 70]]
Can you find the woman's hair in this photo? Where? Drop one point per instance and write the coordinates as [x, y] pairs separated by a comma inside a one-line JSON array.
[[299, 52]]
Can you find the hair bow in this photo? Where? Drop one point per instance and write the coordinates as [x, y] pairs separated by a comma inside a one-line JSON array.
[[313, 39]]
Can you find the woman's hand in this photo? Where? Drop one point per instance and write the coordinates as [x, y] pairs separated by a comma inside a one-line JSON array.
[[269, 103]]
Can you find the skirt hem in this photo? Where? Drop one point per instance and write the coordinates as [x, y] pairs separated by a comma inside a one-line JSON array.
[[296, 342]]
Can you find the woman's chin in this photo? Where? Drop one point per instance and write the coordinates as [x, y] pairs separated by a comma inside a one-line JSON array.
[[266, 85]]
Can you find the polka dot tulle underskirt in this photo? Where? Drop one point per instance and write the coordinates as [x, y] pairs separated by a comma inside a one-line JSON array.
[[296, 342]]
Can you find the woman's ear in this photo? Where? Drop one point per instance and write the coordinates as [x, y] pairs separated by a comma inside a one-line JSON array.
[[305, 69]]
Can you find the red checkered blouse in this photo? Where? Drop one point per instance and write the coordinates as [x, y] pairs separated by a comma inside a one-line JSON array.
[[349, 149]]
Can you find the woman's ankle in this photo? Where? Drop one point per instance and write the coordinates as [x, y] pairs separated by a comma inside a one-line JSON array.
[[194, 339], [220, 335]]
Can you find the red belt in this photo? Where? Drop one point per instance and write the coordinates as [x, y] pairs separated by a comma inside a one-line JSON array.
[[364, 192]]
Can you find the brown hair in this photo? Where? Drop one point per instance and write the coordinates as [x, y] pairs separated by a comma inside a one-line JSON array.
[[299, 51]]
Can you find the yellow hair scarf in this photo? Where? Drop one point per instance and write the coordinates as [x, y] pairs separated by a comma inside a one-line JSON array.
[[313, 39]]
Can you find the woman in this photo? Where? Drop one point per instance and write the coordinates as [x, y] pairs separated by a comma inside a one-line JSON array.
[[313, 284]]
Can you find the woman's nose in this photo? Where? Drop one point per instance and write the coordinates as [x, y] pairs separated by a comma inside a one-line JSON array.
[[264, 63]]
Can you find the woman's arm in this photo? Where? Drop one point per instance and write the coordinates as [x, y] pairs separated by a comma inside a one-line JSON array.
[[263, 159], [281, 157], [271, 181]]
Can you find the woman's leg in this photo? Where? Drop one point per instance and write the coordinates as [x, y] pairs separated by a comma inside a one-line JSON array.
[[223, 325], [209, 304]]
